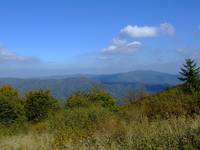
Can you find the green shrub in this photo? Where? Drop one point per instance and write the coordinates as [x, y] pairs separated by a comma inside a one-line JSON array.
[[78, 100], [95, 97], [8, 91], [11, 107], [103, 98], [39, 104], [75, 125], [82, 118], [168, 104]]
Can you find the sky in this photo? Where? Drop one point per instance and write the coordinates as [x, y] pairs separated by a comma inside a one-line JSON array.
[[57, 37]]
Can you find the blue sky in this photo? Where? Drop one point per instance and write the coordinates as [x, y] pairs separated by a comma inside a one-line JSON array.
[[50, 37]]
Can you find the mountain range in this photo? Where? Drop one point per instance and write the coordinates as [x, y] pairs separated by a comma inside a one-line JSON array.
[[116, 84]]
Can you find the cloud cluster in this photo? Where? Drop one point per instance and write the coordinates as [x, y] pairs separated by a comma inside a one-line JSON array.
[[8, 56], [148, 31], [126, 41], [138, 32], [122, 46]]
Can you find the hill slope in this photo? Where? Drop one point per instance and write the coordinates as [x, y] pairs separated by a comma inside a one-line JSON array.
[[116, 84], [146, 77]]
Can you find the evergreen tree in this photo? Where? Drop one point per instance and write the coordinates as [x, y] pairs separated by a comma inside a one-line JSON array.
[[189, 74]]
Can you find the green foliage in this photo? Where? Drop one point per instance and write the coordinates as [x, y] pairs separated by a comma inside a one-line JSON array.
[[84, 118], [103, 98], [77, 124], [190, 75], [8, 91], [11, 108], [94, 97], [173, 102], [78, 118], [78, 100], [190, 140], [39, 104]]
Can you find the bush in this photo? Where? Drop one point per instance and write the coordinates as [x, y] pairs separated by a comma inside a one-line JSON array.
[[78, 100], [77, 124], [170, 103], [11, 108], [103, 98], [39, 104], [81, 118], [95, 97]]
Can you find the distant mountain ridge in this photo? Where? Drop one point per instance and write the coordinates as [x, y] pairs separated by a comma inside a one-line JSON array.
[[117, 84], [143, 76], [146, 77]]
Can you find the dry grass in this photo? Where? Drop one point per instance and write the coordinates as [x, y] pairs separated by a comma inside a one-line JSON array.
[[113, 134], [28, 141]]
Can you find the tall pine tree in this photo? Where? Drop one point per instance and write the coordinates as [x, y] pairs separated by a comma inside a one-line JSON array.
[[189, 74]]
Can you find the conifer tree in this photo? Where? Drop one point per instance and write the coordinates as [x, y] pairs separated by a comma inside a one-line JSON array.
[[189, 74]]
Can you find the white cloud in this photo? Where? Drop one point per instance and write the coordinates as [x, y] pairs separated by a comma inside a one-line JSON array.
[[136, 31], [122, 46], [148, 31], [8, 56]]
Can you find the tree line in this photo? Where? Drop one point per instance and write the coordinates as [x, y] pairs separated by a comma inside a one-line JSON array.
[[37, 105]]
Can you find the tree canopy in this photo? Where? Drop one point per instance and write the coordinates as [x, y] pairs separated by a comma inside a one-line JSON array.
[[39, 104], [11, 107]]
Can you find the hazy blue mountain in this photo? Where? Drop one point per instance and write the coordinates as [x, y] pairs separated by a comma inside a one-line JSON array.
[[60, 88], [117, 84], [141, 76], [146, 77]]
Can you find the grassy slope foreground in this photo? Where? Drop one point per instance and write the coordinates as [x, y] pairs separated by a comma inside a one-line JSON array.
[[167, 120]]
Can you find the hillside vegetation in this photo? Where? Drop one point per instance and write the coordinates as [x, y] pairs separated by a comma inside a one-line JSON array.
[[92, 120]]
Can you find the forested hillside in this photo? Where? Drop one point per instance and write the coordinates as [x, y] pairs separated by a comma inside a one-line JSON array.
[[93, 120]]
